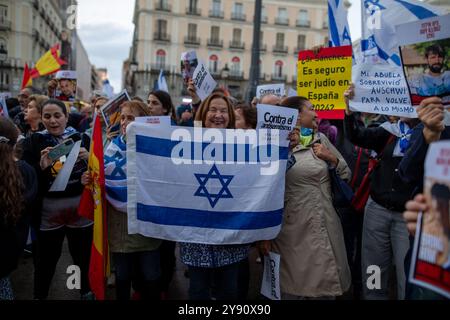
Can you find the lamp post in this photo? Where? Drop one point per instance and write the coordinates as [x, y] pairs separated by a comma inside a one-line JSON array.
[[254, 68]]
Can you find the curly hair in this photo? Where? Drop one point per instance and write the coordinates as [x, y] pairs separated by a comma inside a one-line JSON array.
[[11, 184]]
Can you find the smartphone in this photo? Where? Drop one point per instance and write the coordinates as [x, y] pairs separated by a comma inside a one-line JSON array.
[[62, 149]]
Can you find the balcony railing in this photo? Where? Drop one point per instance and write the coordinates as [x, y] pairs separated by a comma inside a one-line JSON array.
[[237, 75], [303, 23], [238, 16], [264, 19], [159, 66], [237, 45], [262, 47], [280, 49], [160, 36], [213, 42], [193, 11], [215, 73], [216, 14], [278, 77], [282, 21], [163, 6], [193, 41]]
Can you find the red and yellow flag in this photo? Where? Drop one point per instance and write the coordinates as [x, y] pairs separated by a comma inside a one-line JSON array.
[[49, 63], [27, 81], [92, 206]]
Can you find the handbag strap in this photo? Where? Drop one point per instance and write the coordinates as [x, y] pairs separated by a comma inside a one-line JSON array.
[[377, 160], [357, 165]]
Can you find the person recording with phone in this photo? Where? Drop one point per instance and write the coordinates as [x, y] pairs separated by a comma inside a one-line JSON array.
[[47, 152]]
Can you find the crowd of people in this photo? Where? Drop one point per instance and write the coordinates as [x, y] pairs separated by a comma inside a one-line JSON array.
[[325, 250]]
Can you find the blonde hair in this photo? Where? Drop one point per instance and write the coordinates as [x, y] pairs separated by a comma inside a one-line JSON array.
[[139, 108], [40, 100]]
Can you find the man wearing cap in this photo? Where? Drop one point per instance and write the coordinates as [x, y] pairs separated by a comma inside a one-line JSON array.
[[67, 86]]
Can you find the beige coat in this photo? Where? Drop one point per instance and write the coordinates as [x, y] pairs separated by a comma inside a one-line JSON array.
[[311, 241], [119, 239]]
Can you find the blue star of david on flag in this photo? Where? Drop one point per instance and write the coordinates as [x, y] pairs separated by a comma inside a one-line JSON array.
[[224, 180]]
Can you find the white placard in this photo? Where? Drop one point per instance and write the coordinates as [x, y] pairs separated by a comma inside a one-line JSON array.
[[203, 81], [162, 120], [430, 261], [270, 286], [381, 89], [277, 118], [435, 28], [273, 89]]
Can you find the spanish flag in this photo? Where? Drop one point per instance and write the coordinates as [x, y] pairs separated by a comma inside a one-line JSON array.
[[49, 63], [92, 206], [27, 81]]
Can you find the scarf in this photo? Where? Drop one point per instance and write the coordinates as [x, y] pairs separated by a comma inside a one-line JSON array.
[[306, 136], [116, 174], [56, 140], [403, 132]]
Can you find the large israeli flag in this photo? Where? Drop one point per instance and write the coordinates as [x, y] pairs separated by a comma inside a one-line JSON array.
[[379, 18], [182, 187], [338, 24]]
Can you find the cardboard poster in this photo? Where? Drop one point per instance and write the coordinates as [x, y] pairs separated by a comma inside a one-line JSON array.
[[189, 63], [425, 52], [270, 286], [272, 89], [111, 110], [203, 81], [162, 120], [277, 118], [381, 89], [67, 85], [430, 262], [323, 78]]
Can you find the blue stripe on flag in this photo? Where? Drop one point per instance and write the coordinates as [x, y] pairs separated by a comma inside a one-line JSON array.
[[209, 219], [163, 148], [419, 11], [334, 33], [117, 193]]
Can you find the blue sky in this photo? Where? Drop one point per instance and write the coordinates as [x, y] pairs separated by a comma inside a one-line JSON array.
[[106, 29]]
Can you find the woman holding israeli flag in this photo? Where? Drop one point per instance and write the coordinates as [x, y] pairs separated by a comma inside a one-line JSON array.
[[216, 265], [130, 253]]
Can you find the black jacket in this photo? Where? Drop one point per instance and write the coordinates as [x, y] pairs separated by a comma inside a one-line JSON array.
[[411, 168], [13, 237], [32, 147], [387, 189]]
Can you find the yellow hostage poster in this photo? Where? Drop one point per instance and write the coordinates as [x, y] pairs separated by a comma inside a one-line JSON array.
[[323, 78]]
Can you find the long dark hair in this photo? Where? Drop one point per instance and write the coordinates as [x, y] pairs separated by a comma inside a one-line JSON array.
[[11, 184], [166, 102]]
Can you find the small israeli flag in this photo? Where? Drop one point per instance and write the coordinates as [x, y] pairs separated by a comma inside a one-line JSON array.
[[379, 18], [162, 83], [338, 25]]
